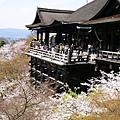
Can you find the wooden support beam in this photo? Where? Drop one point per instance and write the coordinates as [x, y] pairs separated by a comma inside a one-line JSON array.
[[38, 35], [41, 37], [49, 70], [58, 37], [70, 39], [112, 41], [47, 37]]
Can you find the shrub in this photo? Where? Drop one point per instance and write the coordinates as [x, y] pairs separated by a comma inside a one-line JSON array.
[[2, 43], [73, 94]]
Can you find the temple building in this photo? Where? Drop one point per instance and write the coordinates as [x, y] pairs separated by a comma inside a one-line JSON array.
[[72, 44]]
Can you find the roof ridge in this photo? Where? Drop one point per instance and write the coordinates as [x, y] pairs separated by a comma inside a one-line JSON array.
[[54, 10]]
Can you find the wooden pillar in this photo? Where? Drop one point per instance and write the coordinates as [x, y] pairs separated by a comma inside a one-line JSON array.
[[49, 70], [47, 37], [112, 41], [70, 39], [91, 36], [37, 35], [41, 38], [66, 39], [104, 38], [57, 74], [83, 39], [41, 67], [65, 79], [58, 37], [119, 40]]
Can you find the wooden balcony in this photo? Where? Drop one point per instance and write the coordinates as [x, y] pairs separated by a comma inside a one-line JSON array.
[[58, 58], [109, 56]]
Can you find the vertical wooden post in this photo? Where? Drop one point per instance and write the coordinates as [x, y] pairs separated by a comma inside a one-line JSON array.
[[119, 40], [49, 70], [65, 79], [47, 37], [41, 36], [104, 38], [91, 36], [41, 67], [58, 37], [37, 35], [112, 41], [57, 74], [69, 55], [82, 41], [70, 39], [66, 39]]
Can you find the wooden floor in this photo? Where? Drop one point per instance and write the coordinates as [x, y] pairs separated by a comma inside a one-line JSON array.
[[61, 61], [47, 59]]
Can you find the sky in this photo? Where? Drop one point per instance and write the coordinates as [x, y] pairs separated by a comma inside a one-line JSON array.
[[18, 13]]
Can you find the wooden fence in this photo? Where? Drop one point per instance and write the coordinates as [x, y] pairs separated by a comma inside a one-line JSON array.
[[109, 55], [69, 58]]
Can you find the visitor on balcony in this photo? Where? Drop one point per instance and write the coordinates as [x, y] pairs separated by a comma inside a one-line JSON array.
[[79, 50], [61, 48], [66, 49], [89, 49], [57, 49]]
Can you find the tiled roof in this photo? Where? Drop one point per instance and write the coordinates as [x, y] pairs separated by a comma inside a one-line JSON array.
[[88, 11], [45, 16], [109, 19]]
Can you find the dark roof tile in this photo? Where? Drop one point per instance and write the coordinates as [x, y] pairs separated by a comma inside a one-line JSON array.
[[88, 11], [109, 19]]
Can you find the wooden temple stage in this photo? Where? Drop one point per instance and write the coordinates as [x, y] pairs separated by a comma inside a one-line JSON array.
[[72, 69], [59, 67], [93, 29]]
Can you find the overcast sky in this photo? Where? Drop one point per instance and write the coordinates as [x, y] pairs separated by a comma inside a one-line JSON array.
[[18, 13]]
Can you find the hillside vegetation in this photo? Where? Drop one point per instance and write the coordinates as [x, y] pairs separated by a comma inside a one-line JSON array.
[[21, 100]]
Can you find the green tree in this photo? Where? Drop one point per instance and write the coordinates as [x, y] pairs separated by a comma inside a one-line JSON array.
[[2, 43]]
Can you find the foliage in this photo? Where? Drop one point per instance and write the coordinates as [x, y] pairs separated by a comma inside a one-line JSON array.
[[104, 98], [29, 39], [2, 43], [13, 61], [64, 97], [73, 94], [20, 101], [112, 112], [11, 69], [4, 39]]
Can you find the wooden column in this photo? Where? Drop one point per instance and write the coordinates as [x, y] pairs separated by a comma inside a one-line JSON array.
[[112, 41], [41, 67], [49, 70], [119, 40], [37, 35], [57, 74], [58, 37], [41, 37], [104, 38], [47, 37], [70, 39], [82, 41], [66, 39], [65, 79], [91, 37]]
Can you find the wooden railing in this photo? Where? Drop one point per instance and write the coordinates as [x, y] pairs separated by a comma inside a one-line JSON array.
[[109, 55], [69, 58]]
